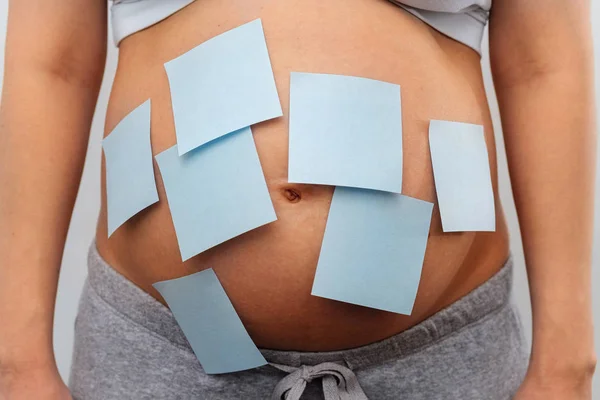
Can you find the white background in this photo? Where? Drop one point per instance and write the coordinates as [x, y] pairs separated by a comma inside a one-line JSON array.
[[86, 212]]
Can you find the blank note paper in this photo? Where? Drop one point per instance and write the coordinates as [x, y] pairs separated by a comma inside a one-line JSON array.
[[215, 192], [345, 131], [373, 249], [130, 184], [462, 176], [210, 323], [222, 85]]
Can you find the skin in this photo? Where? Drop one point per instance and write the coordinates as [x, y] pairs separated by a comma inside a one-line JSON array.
[[268, 273], [547, 107], [543, 76]]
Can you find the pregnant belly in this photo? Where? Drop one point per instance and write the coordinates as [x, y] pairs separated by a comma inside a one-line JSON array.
[[268, 272]]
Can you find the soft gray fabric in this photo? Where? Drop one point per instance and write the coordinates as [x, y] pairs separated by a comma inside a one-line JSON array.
[[128, 346], [131, 16], [462, 20], [339, 382], [465, 26]]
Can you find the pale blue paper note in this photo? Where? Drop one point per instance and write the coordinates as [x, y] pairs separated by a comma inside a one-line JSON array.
[[215, 192], [462, 176], [373, 249], [345, 131], [130, 184], [222, 85], [210, 323]]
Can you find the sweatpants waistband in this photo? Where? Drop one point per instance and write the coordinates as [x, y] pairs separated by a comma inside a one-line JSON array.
[[139, 307]]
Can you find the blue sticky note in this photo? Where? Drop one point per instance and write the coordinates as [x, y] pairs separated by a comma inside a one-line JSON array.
[[130, 184], [345, 131], [215, 192], [373, 249], [210, 323], [462, 176], [222, 85]]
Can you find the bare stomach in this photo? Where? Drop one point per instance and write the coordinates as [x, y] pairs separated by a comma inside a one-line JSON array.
[[268, 272]]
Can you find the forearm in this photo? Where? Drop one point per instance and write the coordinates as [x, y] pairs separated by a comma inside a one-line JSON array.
[[549, 132], [54, 62], [542, 63], [44, 125]]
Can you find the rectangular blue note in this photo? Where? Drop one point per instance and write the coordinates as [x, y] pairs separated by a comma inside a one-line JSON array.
[[373, 249], [210, 323], [345, 131], [463, 182], [222, 85], [130, 184], [215, 192]]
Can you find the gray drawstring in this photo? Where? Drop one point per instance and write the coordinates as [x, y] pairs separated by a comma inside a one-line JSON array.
[[339, 382]]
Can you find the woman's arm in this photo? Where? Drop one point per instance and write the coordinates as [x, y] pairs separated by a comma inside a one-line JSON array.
[[542, 65], [55, 54]]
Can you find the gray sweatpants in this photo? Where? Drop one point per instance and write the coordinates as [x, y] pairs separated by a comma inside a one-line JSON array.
[[129, 346]]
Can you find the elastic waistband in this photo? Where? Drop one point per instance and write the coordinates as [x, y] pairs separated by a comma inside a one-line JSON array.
[[138, 306]]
